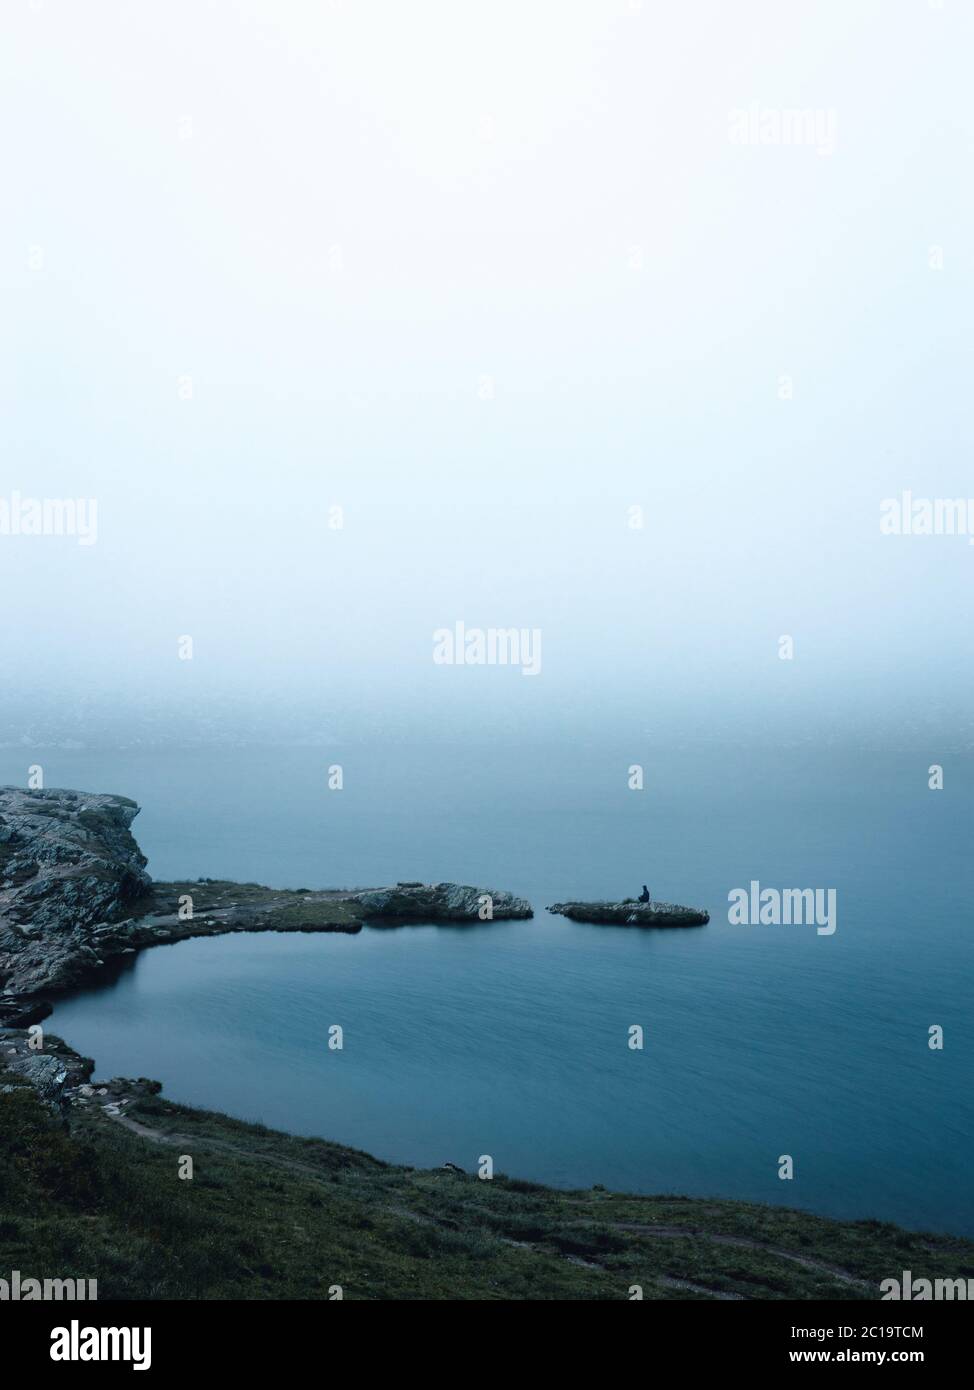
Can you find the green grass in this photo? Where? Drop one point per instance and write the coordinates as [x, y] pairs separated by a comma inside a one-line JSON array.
[[275, 909], [268, 1215], [315, 916]]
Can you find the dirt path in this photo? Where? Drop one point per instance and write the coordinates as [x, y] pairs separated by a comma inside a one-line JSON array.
[[187, 1141], [669, 1283], [686, 1233]]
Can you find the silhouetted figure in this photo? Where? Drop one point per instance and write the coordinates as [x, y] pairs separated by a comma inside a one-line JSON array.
[[644, 895]]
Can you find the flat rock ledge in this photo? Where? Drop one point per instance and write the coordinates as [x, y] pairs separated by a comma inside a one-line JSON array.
[[633, 914], [441, 902], [75, 897]]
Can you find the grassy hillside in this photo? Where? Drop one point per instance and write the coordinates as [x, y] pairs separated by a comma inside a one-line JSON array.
[[267, 1215]]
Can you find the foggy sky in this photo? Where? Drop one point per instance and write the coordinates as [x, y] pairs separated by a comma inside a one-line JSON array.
[[486, 276]]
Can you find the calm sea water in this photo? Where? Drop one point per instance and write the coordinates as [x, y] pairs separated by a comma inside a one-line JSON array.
[[510, 1039]]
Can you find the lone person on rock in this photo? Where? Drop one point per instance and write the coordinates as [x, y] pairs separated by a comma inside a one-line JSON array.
[[644, 895]]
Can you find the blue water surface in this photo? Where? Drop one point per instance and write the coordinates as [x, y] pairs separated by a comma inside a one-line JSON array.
[[512, 1039]]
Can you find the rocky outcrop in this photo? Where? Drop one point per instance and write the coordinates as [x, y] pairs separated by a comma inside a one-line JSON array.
[[74, 895], [441, 902], [54, 1072], [61, 1077], [69, 868], [633, 914]]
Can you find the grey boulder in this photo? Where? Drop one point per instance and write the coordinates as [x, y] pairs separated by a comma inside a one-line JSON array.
[[441, 902], [633, 914]]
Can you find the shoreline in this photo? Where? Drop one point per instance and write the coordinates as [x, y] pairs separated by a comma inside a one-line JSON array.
[[393, 1154], [145, 1234]]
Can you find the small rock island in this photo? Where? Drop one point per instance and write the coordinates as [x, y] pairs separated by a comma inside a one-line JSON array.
[[633, 914]]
